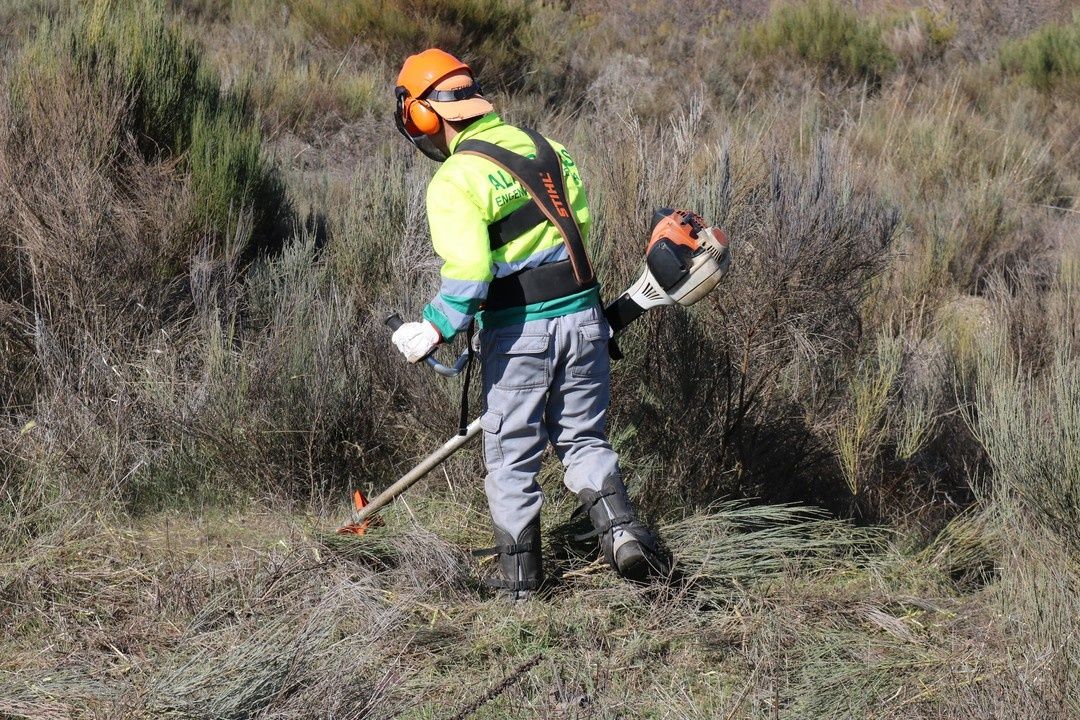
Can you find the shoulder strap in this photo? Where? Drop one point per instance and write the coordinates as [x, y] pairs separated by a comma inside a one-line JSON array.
[[543, 179]]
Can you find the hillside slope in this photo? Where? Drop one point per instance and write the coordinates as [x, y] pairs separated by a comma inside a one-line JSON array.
[[863, 452]]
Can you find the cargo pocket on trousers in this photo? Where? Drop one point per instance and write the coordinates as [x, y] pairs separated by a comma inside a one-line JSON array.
[[591, 359], [491, 423], [522, 362]]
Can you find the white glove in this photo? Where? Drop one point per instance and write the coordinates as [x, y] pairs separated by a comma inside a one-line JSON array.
[[416, 339]]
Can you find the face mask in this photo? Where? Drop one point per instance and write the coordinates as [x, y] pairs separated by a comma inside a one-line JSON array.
[[420, 141]]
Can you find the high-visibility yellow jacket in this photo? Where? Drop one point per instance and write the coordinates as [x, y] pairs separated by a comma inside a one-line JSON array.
[[468, 193]]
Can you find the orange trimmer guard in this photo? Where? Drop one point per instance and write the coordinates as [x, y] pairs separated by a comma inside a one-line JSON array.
[[359, 501]]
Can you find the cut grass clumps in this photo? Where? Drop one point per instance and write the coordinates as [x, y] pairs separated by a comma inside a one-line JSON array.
[[1049, 58], [824, 33], [179, 110], [735, 545]]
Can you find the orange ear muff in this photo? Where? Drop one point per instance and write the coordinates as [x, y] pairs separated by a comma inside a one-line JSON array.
[[422, 117]]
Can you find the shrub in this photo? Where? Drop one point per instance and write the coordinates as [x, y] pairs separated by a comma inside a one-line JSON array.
[[824, 33], [1049, 58], [1029, 425], [120, 157], [178, 109], [744, 374], [919, 35], [487, 32], [229, 173]]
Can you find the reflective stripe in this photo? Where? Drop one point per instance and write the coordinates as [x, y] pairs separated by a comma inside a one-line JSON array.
[[552, 254], [464, 288], [456, 318]]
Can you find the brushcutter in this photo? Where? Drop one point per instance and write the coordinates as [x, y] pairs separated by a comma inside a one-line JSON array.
[[684, 261]]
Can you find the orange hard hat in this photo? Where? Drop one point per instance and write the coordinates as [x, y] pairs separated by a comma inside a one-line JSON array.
[[444, 83]]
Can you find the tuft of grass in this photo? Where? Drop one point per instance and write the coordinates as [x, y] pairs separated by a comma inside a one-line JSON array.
[[860, 436], [1031, 431], [827, 34], [919, 36], [1047, 59]]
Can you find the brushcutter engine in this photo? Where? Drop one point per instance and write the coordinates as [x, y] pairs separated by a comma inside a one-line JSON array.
[[684, 261]]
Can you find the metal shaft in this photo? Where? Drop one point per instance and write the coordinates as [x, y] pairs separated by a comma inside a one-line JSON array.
[[410, 478]]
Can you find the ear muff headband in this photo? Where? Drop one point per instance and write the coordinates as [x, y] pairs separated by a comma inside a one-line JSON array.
[[419, 114], [454, 95]]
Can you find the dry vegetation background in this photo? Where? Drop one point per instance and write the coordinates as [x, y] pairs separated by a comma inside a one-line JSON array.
[[864, 450]]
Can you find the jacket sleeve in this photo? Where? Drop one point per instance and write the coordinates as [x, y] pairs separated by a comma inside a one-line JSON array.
[[460, 237]]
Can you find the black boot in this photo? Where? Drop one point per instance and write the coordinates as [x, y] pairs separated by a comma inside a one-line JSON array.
[[521, 564], [627, 544]]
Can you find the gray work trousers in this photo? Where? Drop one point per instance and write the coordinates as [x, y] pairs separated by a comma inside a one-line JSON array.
[[544, 381]]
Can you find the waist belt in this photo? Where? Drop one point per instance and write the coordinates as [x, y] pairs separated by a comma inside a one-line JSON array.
[[539, 284]]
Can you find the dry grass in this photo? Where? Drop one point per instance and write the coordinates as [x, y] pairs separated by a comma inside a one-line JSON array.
[[240, 616]]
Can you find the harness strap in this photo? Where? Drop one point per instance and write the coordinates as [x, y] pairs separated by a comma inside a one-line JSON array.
[[496, 582], [510, 228], [587, 505], [463, 417], [514, 549], [543, 179], [608, 524], [549, 281]]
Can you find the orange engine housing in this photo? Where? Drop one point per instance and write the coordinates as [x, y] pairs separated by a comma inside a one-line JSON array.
[[674, 243], [679, 226]]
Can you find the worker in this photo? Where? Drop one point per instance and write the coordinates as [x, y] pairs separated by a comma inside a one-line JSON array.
[[515, 260]]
